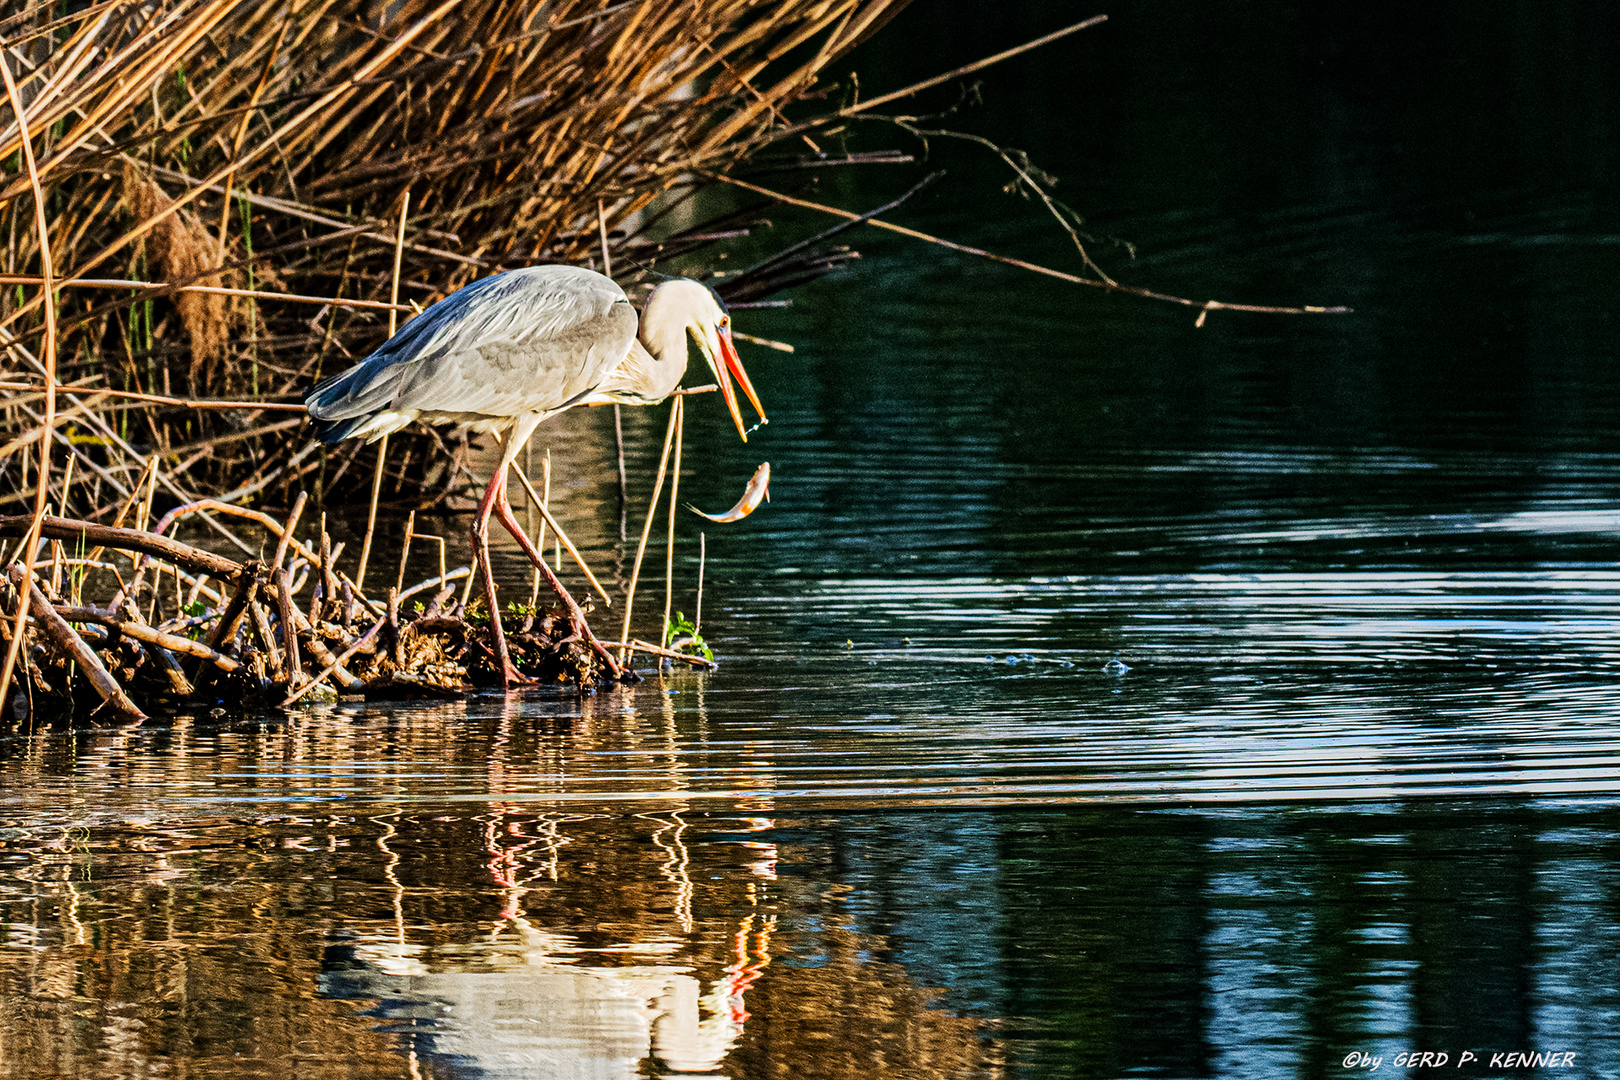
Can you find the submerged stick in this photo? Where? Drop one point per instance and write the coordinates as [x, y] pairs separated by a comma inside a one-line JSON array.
[[342, 658], [289, 631], [148, 635], [328, 598], [323, 655], [164, 642], [230, 620], [259, 620], [637, 645]]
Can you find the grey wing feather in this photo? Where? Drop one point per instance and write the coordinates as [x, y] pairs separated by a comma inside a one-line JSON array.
[[529, 340]]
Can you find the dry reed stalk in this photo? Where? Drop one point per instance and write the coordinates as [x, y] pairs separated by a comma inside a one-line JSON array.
[[537, 526], [405, 549], [562, 537], [674, 496], [646, 527], [382, 445], [47, 291]]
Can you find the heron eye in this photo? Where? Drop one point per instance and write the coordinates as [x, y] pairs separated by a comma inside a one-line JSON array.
[[725, 321]]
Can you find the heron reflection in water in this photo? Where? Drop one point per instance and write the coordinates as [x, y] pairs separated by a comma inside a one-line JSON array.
[[508, 351]]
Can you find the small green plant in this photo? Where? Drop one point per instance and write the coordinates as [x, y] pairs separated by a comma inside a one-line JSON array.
[[681, 627]]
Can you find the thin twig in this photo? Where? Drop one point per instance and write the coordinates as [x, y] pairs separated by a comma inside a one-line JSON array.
[[256, 295]]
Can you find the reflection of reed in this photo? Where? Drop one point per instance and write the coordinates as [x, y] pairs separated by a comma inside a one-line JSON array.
[[674, 868], [211, 929], [605, 945]]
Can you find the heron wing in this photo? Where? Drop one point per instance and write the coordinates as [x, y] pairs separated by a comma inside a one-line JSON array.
[[530, 340]]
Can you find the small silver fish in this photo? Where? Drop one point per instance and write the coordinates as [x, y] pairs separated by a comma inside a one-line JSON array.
[[759, 489]]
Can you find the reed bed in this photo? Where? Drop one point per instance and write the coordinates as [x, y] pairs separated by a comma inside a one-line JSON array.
[[224, 188]]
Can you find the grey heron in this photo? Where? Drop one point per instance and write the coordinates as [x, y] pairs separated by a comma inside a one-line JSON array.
[[508, 351]]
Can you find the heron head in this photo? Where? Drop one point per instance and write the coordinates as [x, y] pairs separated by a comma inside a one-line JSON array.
[[688, 307]]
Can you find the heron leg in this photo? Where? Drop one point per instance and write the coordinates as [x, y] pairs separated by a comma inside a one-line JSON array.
[[576, 617], [510, 676]]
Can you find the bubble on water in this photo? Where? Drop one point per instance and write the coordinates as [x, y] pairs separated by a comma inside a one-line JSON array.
[[1116, 666]]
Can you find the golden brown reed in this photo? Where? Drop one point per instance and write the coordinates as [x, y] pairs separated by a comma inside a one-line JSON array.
[[268, 147]]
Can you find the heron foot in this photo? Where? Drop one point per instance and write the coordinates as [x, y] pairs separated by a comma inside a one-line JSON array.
[[511, 677]]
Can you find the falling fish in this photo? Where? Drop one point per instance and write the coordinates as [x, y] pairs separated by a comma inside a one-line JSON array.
[[759, 488]]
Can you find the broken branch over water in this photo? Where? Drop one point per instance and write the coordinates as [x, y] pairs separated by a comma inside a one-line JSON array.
[[1204, 306]]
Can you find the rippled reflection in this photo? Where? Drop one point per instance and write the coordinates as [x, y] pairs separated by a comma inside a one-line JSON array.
[[320, 934]]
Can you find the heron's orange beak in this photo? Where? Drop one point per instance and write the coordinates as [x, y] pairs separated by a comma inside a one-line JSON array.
[[731, 364]]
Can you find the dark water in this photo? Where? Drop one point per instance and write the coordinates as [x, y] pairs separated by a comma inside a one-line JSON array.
[[1099, 696]]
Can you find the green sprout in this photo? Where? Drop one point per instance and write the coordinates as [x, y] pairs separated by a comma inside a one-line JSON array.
[[682, 627]]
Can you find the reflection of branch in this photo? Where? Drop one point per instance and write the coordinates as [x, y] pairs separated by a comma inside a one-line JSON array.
[[1204, 306]]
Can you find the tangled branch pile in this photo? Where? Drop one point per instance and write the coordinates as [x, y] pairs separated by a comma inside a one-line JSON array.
[[187, 628], [273, 148]]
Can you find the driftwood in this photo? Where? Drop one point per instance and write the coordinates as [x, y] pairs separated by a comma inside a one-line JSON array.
[[137, 631], [87, 534], [257, 634]]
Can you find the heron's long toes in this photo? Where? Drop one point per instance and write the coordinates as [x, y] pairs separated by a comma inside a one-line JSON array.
[[511, 677]]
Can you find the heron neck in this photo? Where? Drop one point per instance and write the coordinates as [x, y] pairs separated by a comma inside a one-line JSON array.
[[663, 331], [667, 347]]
